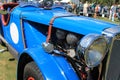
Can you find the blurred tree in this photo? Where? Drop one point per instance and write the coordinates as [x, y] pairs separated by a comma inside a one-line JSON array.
[[110, 2], [59, 0]]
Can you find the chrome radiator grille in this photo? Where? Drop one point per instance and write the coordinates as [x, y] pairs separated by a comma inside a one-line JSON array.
[[113, 69]]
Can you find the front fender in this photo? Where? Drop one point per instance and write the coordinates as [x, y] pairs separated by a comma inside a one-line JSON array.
[[52, 67]]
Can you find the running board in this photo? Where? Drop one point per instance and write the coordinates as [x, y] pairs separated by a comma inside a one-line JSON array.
[[9, 47]]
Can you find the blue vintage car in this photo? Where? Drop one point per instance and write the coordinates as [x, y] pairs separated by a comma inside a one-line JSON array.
[[53, 44]]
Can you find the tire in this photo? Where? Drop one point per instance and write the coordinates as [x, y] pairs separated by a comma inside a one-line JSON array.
[[32, 72]]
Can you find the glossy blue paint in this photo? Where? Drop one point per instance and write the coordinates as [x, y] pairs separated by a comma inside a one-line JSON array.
[[52, 67], [78, 24], [14, 18], [33, 36]]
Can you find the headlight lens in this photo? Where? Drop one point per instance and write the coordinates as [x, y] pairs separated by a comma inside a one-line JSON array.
[[94, 48]]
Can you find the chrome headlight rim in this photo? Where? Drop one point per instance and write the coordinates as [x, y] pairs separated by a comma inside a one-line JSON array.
[[85, 44]]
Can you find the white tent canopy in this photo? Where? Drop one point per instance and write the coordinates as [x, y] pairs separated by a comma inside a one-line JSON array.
[[63, 1]]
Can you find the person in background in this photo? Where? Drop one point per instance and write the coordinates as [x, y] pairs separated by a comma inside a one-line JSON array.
[[118, 15], [93, 7], [85, 9], [112, 12], [69, 7], [97, 10], [74, 7], [105, 11], [1, 3]]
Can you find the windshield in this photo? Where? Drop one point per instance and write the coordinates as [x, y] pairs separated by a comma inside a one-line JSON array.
[[30, 2], [37, 3]]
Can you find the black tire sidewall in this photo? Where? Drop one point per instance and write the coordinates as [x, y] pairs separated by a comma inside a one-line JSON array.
[[31, 70]]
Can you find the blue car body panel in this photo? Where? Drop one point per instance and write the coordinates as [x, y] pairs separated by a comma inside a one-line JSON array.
[[82, 25], [14, 19], [52, 67]]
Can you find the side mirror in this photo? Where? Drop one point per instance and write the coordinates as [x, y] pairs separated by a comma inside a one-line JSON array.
[[3, 12]]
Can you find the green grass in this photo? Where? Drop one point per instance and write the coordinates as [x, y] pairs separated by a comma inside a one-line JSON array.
[[7, 66], [106, 19]]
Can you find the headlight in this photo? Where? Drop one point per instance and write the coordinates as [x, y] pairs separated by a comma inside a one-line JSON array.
[[94, 48]]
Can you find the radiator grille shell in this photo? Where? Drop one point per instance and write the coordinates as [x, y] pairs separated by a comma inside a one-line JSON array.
[[113, 67]]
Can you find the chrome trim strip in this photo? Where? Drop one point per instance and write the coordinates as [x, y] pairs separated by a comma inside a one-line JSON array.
[[110, 34], [112, 31]]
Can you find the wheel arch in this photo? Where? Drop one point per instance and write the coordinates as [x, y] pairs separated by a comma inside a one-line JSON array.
[[48, 65], [24, 59]]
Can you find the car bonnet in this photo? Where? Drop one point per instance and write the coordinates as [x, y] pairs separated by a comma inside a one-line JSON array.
[[78, 24]]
